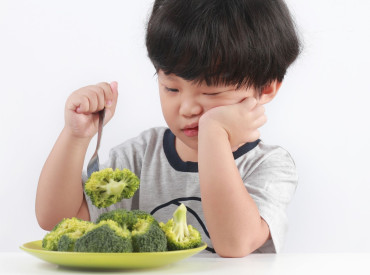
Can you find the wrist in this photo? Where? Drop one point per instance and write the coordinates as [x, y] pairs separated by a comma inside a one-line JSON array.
[[210, 129], [73, 140]]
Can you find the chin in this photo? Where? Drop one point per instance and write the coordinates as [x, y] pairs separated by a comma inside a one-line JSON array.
[[191, 142]]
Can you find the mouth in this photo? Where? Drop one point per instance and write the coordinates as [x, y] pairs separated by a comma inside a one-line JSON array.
[[191, 130]]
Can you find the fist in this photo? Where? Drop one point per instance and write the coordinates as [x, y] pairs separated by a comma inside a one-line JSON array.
[[83, 105], [241, 121]]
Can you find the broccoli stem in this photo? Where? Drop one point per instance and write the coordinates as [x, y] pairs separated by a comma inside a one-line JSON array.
[[114, 187], [180, 227]]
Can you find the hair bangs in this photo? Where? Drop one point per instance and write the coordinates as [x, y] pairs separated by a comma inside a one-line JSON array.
[[217, 42]]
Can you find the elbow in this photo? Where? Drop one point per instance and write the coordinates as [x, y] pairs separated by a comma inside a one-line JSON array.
[[46, 227], [234, 249], [44, 223], [233, 253], [44, 220], [241, 244]]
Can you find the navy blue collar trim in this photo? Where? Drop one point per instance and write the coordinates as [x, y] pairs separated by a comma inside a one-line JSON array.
[[189, 166]]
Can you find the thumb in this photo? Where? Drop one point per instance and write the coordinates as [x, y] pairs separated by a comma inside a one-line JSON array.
[[114, 87], [112, 107]]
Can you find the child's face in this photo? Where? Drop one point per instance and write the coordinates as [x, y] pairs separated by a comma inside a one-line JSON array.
[[184, 102]]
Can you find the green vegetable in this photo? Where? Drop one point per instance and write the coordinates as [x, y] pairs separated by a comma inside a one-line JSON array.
[[106, 236], [147, 236], [106, 187], [121, 216], [64, 234], [68, 240], [179, 234], [123, 231], [146, 233]]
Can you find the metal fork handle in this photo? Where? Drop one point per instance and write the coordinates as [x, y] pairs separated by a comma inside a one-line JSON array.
[[93, 164], [100, 129]]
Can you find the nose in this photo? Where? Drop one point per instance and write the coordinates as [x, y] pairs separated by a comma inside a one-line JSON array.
[[190, 107]]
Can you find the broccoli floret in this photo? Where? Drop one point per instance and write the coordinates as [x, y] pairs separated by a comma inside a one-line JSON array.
[[67, 241], [115, 231], [106, 187], [72, 228], [106, 236], [123, 217], [147, 235], [179, 234]]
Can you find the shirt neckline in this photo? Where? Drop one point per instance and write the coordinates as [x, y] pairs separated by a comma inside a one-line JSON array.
[[189, 166]]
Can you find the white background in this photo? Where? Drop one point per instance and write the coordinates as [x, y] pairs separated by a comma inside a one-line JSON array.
[[48, 49]]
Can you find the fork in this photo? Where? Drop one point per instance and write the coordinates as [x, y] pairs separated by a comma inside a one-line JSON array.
[[93, 164]]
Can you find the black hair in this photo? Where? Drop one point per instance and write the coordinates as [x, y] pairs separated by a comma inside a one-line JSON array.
[[247, 43]]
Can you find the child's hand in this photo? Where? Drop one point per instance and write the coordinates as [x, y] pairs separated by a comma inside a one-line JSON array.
[[83, 105], [240, 121]]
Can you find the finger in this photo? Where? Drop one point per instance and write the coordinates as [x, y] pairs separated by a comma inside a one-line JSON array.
[[249, 103], [77, 102], [260, 121], [112, 108], [100, 97], [82, 104], [91, 95], [114, 86], [115, 92], [258, 111], [107, 92]]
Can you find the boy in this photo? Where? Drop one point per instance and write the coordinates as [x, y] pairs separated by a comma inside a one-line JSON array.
[[218, 62]]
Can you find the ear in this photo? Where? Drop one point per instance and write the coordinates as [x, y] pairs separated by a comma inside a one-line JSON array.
[[269, 92]]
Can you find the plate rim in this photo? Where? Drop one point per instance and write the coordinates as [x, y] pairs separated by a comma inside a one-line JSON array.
[[110, 261], [203, 246]]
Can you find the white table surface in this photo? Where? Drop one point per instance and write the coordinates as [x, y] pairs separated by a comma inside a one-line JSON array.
[[256, 264]]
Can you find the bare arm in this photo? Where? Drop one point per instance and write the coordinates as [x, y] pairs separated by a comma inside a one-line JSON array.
[[59, 192], [233, 220]]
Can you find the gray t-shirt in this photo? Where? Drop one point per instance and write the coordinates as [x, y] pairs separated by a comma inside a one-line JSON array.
[[268, 172]]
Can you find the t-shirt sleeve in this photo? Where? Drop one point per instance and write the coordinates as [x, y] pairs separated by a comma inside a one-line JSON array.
[[272, 185]]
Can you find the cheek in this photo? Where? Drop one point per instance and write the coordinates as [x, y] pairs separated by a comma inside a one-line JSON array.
[[168, 109], [164, 101]]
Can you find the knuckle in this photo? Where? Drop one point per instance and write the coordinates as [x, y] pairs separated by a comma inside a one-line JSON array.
[[253, 100], [100, 89], [250, 102], [104, 86]]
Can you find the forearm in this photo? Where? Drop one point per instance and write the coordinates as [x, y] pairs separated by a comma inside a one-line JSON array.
[[59, 191], [232, 217]]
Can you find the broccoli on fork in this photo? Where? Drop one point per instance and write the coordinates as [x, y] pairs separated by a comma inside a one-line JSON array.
[[107, 187], [179, 234]]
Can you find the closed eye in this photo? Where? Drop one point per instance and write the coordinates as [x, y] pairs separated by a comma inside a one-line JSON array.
[[212, 94], [171, 90]]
